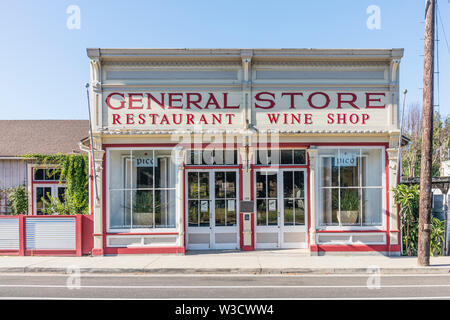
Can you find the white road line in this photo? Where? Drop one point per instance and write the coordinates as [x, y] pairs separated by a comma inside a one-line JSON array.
[[218, 275], [226, 287], [224, 299]]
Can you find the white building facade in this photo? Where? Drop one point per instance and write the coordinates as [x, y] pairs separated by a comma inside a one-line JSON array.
[[203, 149]]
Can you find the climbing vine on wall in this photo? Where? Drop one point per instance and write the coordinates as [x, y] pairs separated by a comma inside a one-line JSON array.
[[74, 172]]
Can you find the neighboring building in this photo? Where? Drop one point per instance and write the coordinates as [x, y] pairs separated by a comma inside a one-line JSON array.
[[445, 168], [440, 200], [245, 149], [21, 137]]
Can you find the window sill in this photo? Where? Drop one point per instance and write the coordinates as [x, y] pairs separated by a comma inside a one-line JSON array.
[[351, 229], [155, 231]]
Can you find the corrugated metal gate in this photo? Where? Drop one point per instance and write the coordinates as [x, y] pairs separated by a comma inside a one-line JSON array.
[[46, 235], [9, 234], [50, 233]]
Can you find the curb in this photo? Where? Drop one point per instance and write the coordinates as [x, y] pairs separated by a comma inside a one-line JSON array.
[[243, 271]]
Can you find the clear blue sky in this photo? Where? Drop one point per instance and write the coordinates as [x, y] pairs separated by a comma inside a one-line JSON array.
[[44, 66]]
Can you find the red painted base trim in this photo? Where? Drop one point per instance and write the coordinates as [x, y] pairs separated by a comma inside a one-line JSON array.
[[141, 234], [51, 252], [97, 252], [9, 253], [350, 231], [155, 250], [355, 248]]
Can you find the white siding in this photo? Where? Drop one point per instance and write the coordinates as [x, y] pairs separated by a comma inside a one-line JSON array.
[[13, 172]]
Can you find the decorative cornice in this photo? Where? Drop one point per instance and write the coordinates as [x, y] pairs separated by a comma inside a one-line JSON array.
[[233, 131], [175, 64], [212, 64], [327, 64]]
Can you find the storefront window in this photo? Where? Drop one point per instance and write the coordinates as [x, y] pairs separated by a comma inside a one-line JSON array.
[[141, 189], [350, 187]]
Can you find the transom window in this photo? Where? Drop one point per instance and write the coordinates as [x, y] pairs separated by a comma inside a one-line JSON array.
[[48, 174], [212, 157], [281, 156], [350, 187]]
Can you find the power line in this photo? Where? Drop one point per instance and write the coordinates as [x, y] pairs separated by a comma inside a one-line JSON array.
[[436, 72], [443, 28]]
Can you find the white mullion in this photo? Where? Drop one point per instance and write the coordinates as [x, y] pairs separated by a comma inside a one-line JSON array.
[[165, 192], [339, 187], [267, 199], [198, 199], [131, 189], [360, 187], [225, 198], [293, 192], [212, 208], [153, 191]]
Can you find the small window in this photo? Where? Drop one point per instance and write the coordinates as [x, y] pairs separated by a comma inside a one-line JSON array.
[[299, 157], [39, 174], [286, 157]]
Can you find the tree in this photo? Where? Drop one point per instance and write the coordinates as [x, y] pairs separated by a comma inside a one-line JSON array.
[[411, 155], [441, 141]]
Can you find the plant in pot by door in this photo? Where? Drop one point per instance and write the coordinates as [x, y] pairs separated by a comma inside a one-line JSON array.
[[349, 212]]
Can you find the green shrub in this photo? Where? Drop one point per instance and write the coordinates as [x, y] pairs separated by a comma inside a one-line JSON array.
[[74, 171], [408, 199], [18, 199], [437, 237]]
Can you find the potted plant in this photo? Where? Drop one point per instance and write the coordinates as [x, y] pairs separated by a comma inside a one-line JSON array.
[[143, 209], [349, 212]]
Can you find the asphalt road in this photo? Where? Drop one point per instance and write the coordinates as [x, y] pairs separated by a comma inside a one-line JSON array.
[[144, 286]]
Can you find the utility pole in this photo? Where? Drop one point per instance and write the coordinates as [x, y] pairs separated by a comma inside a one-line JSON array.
[[423, 253]]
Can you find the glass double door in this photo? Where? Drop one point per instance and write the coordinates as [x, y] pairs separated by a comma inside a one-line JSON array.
[[212, 212], [281, 208]]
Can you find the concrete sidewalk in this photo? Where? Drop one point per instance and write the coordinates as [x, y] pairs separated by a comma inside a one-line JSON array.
[[226, 262]]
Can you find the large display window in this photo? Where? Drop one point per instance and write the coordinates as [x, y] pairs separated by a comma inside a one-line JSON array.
[[141, 189], [350, 187]]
